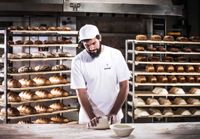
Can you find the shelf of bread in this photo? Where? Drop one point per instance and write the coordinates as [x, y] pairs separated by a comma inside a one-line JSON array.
[[42, 59], [165, 73], [41, 32], [44, 45], [39, 100], [43, 114], [163, 63], [151, 94], [164, 42], [159, 52], [37, 73], [167, 84], [39, 87], [165, 116]]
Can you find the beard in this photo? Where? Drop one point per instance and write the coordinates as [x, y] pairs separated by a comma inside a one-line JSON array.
[[95, 54]]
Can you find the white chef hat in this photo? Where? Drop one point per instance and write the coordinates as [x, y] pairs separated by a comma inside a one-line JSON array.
[[88, 31]]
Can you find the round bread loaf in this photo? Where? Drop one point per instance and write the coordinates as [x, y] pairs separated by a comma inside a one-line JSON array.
[[141, 37], [140, 79], [152, 79], [189, 68], [182, 39], [150, 68], [162, 79], [139, 48], [172, 79], [156, 37], [152, 102], [181, 79], [194, 38], [161, 48], [160, 68], [170, 68], [168, 38]]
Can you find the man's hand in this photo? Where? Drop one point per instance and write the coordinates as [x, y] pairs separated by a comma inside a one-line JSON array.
[[93, 122], [112, 118]]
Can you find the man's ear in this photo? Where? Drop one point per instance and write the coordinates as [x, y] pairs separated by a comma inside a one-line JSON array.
[[99, 37]]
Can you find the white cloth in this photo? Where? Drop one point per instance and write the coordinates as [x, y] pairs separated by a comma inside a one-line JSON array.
[[101, 77]]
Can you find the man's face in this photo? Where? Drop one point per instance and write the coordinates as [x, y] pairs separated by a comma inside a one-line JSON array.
[[93, 47]]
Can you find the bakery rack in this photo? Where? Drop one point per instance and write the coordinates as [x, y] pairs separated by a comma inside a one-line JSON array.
[[7, 61], [144, 90]]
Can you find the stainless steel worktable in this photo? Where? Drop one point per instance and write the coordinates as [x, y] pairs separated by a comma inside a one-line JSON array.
[[58, 131]]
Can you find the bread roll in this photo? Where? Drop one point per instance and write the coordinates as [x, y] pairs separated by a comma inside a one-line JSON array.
[[172, 49], [140, 79], [27, 83], [13, 83], [139, 112], [156, 38], [182, 111], [181, 79], [155, 112], [154, 59], [164, 101], [42, 94], [139, 48], [11, 111], [195, 91], [179, 101], [139, 101], [57, 106], [180, 68], [160, 68], [58, 80], [182, 39], [27, 95], [168, 38], [12, 97], [161, 48], [193, 101], [152, 102], [170, 68], [160, 91], [189, 68], [172, 79], [168, 59], [168, 111], [152, 79], [141, 37], [176, 91], [41, 81], [26, 110], [141, 58], [190, 79], [150, 48], [59, 92], [162, 79], [149, 68], [42, 121]]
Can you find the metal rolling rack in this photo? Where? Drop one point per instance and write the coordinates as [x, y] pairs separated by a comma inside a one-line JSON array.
[[130, 54], [13, 33]]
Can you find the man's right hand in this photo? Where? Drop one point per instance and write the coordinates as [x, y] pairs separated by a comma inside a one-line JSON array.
[[93, 122]]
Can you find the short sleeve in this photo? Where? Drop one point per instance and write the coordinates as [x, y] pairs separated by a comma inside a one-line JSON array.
[[123, 72], [77, 79]]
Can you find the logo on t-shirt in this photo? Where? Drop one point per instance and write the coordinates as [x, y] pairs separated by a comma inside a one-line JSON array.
[[107, 67]]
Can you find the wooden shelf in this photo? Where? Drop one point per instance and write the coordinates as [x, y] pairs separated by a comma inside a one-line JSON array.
[[167, 84], [164, 42], [31, 32], [165, 73], [150, 94], [43, 114], [45, 45], [42, 72], [39, 87], [39, 100], [42, 59]]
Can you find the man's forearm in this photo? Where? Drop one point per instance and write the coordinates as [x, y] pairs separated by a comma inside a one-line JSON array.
[[123, 92], [83, 98]]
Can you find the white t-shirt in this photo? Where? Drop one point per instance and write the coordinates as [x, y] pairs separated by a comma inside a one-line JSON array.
[[101, 77]]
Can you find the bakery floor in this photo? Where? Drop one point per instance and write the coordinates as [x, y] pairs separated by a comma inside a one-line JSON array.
[[62, 131]]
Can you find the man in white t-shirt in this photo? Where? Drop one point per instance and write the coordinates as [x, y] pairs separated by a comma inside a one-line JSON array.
[[100, 76]]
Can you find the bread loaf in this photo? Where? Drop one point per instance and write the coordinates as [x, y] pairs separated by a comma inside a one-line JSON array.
[[141, 37], [26, 110], [59, 92], [58, 119], [172, 79], [197, 79], [139, 101], [11, 111], [161, 48], [42, 94], [187, 50], [59, 67], [179, 101], [155, 112], [156, 37], [150, 48], [195, 111], [42, 121], [182, 111], [168, 59], [180, 68], [182, 39], [24, 55], [12, 97], [140, 79], [27, 95], [194, 90], [154, 59], [139, 48], [139, 112], [152, 79], [28, 42], [152, 102], [160, 68], [27, 83], [194, 38], [181, 79], [25, 69], [41, 81], [162, 79], [190, 79], [164, 101], [149, 68], [168, 112], [197, 68], [42, 68], [168, 38], [160, 91], [141, 58], [13, 83], [58, 80], [57, 106], [41, 109], [170, 68], [189, 68], [177, 91], [193, 101]]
